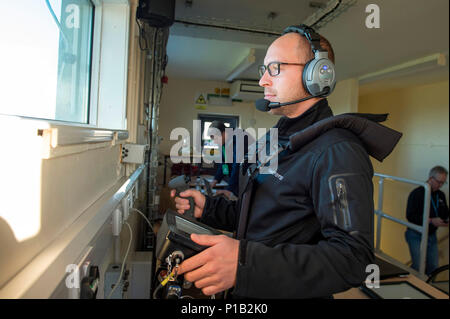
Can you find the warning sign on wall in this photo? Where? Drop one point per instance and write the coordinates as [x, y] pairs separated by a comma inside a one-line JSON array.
[[201, 101]]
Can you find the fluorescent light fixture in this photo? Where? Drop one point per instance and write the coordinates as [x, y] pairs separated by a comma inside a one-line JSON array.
[[248, 61], [426, 63]]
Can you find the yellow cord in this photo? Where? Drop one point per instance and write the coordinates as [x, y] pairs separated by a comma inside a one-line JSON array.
[[164, 282]]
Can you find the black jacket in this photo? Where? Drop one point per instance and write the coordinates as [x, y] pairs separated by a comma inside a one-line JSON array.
[[309, 231], [414, 209]]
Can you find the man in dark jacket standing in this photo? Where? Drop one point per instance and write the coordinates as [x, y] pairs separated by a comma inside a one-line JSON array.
[[307, 230], [438, 218]]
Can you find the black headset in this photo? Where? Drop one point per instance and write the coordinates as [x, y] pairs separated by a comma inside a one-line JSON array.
[[319, 74]]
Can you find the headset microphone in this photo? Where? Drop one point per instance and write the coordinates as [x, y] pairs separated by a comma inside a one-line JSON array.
[[265, 105]]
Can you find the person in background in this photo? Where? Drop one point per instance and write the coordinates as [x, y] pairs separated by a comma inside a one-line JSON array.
[[438, 218], [227, 170]]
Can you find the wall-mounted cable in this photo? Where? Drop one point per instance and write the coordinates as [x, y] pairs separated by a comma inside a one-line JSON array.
[[123, 262]]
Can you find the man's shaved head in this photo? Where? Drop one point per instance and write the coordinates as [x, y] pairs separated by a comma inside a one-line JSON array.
[[305, 50]]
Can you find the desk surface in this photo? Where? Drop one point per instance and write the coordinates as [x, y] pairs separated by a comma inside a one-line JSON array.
[[356, 293], [413, 278]]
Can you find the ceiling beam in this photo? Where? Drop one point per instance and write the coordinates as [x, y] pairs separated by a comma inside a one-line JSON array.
[[247, 62]]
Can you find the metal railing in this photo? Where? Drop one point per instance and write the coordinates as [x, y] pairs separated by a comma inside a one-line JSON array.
[[421, 229]]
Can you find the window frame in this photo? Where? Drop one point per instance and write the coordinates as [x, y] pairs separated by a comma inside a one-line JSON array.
[[110, 57], [219, 117], [107, 13]]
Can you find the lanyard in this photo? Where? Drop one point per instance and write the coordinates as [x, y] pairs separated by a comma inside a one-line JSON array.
[[435, 205], [225, 169], [224, 154]]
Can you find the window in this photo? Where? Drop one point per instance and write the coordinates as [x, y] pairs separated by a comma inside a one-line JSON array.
[[46, 59], [206, 120]]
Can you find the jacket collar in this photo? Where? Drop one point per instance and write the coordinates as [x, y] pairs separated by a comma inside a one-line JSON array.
[[287, 126], [378, 140]]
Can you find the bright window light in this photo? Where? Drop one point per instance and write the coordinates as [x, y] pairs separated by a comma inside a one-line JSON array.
[[46, 59]]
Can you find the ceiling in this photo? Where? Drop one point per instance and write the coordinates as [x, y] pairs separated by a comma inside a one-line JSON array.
[[409, 29]]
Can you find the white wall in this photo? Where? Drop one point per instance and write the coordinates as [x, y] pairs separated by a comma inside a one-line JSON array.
[[344, 98]]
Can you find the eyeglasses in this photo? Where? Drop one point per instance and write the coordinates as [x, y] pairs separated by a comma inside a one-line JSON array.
[[274, 68], [438, 181]]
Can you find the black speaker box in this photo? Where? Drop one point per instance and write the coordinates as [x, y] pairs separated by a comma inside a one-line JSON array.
[[157, 13]]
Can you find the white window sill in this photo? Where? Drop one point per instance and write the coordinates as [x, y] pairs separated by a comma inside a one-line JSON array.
[[58, 138]]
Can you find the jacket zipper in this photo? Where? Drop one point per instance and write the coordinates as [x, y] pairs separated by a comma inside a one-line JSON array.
[[342, 202]]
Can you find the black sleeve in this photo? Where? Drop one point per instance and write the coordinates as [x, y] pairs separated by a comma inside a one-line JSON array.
[[233, 183], [414, 208], [219, 174], [334, 264], [443, 208], [220, 213]]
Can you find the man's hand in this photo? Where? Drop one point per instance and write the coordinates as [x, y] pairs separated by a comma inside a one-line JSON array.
[[182, 204], [213, 183], [438, 222], [226, 193], [214, 269]]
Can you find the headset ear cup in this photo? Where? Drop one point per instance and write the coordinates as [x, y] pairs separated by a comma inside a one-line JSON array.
[[305, 77], [327, 88], [315, 86]]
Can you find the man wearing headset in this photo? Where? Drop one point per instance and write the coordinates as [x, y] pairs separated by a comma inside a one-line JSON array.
[[308, 230]]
